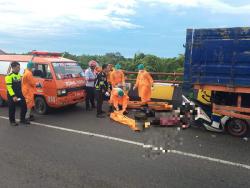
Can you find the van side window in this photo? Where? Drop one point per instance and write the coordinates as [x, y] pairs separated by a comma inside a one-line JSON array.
[[48, 72], [42, 71], [4, 67]]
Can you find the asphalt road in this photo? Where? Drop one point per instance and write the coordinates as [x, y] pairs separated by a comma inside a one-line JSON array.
[[60, 150]]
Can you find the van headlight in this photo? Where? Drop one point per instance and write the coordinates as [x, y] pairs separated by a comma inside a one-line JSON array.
[[61, 92]]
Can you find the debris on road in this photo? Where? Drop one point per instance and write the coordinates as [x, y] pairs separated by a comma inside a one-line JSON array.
[[159, 142], [245, 139]]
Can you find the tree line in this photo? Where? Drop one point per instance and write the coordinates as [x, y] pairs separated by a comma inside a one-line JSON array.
[[152, 63]]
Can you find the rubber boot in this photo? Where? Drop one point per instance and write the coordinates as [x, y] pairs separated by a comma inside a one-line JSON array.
[[27, 116]]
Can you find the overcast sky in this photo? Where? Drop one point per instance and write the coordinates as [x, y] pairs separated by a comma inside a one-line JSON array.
[[99, 26]]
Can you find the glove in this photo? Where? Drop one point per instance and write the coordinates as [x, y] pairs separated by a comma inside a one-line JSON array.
[[107, 94]]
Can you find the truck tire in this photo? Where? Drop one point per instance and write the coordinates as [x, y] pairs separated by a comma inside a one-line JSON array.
[[237, 127], [2, 102], [41, 106]]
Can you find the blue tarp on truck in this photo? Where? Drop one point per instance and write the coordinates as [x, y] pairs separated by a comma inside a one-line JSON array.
[[217, 57]]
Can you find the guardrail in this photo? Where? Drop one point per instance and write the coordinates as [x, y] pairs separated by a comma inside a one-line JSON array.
[[173, 75]]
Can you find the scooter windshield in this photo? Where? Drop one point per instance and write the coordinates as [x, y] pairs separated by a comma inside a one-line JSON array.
[[67, 70]]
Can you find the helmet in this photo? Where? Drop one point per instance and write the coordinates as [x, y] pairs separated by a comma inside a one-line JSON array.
[[140, 67], [118, 66], [92, 63], [98, 69], [30, 65]]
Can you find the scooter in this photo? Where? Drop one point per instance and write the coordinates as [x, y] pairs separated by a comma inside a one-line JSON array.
[[194, 115]]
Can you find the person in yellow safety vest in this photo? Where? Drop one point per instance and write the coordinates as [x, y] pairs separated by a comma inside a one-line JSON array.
[[117, 77], [14, 94], [144, 83], [101, 90], [28, 89], [117, 99]]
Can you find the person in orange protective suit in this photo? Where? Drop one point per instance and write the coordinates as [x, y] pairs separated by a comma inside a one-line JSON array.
[[144, 82], [117, 77], [117, 99], [28, 89], [110, 68]]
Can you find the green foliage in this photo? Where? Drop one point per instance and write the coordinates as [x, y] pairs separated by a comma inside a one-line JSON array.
[[152, 63]]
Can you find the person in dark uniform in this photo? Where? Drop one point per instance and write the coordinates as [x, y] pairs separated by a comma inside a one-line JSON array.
[[102, 90], [15, 96]]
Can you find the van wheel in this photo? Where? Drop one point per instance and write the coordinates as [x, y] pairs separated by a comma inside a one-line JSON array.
[[237, 127], [41, 106], [2, 102]]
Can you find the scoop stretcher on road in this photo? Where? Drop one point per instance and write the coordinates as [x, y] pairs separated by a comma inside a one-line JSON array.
[[119, 117], [158, 106]]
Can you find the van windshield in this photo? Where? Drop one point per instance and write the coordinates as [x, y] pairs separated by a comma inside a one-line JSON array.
[[65, 70]]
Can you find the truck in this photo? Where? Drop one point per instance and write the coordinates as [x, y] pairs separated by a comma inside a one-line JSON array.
[[61, 81], [218, 60]]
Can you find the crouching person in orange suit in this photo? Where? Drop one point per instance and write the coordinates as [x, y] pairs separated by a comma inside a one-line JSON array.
[[118, 100]]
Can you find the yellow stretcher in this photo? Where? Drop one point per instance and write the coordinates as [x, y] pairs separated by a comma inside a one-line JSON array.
[[158, 106], [119, 117]]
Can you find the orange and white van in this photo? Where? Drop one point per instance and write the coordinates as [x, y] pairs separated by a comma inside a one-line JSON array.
[[61, 81]]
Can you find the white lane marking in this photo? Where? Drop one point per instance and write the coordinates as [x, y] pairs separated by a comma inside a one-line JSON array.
[[142, 145], [85, 133], [210, 159]]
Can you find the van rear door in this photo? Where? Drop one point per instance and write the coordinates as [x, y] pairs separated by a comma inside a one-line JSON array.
[[5, 66]]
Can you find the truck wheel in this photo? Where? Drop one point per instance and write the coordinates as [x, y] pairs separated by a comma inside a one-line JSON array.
[[237, 127], [2, 102], [41, 106]]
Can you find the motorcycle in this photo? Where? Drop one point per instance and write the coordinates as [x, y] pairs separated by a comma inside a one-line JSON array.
[[193, 115]]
